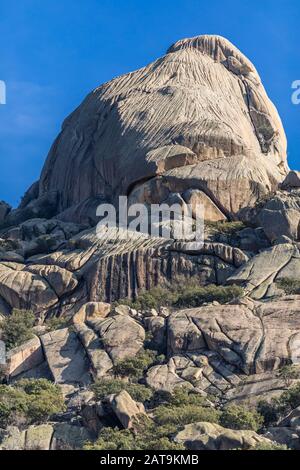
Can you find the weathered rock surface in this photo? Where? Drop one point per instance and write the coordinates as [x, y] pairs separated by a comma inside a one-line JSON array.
[[259, 275], [125, 408], [182, 120], [57, 436], [209, 436], [292, 180], [35, 287], [253, 337], [280, 216], [121, 335], [4, 210], [25, 357], [66, 357]]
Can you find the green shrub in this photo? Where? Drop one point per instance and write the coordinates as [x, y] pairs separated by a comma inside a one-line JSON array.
[[200, 295], [56, 323], [184, 406], [184, 396], [29, 400], [146, 436], [289, 373], [271, 446], [238, 417], [181, 295], [278, 407], [107, 387], [17, 328], [154, 298], [289, 286], [226, 228], [184, 414], [8, 245], [271, 410], [13, 405], [291, 397], [113, 439], [134, 367]]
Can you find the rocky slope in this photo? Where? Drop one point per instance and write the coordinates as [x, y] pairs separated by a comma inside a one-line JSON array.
[[194, 126]]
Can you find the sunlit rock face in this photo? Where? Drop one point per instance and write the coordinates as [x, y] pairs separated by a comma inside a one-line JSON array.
[[197, 118]]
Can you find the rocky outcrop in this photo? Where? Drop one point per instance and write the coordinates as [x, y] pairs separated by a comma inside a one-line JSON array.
[[25, 357], [57, 436], [252, 337], [125, 408], [66, 357], [35, 287], [209, 436], [121, 335], [260, 274], [4, 210], [280, 216], [170, 123], [292, 180]]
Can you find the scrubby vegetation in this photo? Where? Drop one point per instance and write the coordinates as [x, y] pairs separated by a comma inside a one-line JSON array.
[[196, 297], [169, 412], [184, 407], [145, 436], [289, 373], [29, 401], [56, 323], [128, 373], [238, 417], [17, 328], [134, 367], [289, 286], [278, 407], [7, 245], [156, 433], [103, 388], [184, 296], [226, 228]]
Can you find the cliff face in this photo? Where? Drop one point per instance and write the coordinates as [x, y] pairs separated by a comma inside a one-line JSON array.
[[198, 117]]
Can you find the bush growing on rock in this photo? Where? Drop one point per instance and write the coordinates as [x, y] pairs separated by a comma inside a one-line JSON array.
[[29, 401], [185, 414], [56, 323], [226, 228], [184, 396], [289, 373], [184, 407], [154, 298], [271, 446], [17, 328], [195, 297], [278, 407], [134, 367], [289, 286], [13, 406], [240, 418], [146, 436], [184, 296], [107, 387]]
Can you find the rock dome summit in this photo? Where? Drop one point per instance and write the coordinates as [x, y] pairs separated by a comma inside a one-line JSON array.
[[196, 118]]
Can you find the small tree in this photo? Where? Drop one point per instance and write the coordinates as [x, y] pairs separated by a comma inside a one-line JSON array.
[[17, 328], [103, 388], [134, 367], [288, 374], [238, 417], [29, 401]]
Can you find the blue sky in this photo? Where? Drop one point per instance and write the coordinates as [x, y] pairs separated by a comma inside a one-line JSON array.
[[53, 52]]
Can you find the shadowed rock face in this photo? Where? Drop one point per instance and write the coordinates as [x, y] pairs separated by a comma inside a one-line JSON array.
[[196, 118]]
